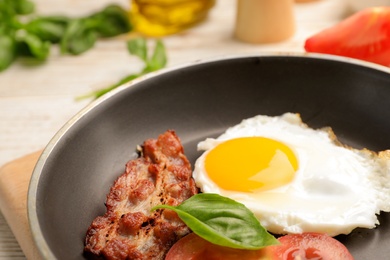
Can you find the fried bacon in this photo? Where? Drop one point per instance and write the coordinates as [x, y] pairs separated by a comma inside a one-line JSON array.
[[129, 230]]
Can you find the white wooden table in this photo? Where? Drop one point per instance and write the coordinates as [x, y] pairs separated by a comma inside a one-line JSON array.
[[35, 101]]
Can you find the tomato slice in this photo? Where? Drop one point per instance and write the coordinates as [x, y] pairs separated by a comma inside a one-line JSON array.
[[365, 35], [306, 246], [193, 247], [314, 246]]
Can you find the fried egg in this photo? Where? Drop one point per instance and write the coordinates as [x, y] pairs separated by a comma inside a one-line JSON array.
[[294, 178]]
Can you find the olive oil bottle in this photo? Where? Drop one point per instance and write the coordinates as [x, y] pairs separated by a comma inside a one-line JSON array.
[[163, 17]]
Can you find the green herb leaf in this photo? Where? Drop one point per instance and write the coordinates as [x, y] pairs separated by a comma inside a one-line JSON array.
[[7, 51], [50, 28], [79, 36], [112, 21], [31, 45], [158, 59], [34, 35], [222, 221], [138, 48]]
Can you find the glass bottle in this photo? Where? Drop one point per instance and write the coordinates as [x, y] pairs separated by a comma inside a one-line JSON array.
[[162, 17]]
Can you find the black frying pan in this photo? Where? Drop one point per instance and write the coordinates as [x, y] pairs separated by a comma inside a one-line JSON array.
[[73, 176]]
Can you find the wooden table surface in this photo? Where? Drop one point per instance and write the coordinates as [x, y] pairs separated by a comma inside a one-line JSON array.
[[35, 101]]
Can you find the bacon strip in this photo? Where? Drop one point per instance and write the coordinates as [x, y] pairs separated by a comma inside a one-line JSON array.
[[129, 230]]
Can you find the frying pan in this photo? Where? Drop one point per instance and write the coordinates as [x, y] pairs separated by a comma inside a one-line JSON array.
[[73, 176]]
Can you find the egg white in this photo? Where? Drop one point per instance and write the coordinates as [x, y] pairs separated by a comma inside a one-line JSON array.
[[335, 189]]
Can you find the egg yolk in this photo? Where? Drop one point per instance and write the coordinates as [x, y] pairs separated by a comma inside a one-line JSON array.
[[251, 164]]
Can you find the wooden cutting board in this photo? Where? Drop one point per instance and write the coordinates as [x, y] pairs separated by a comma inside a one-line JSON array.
[[14, 180]]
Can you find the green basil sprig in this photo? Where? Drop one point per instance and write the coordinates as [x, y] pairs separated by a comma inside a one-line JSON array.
[[22, 33], [222, 221]]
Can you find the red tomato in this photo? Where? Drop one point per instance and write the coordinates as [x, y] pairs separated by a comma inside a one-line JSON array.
[[314, 246], [193, 247], [364, 35]]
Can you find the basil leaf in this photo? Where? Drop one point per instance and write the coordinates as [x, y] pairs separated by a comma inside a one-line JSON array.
[[158, 59], [79, 36], [222, 221], [7, 51], [112, 21], [138, 48], [31, 45], [50, 28]]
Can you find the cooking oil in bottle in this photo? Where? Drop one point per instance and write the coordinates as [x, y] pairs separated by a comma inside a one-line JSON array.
[[163, 17]]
